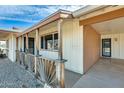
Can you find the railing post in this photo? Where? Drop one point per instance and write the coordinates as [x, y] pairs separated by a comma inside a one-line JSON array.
[[35, 66], [62, 81], [60, 71]]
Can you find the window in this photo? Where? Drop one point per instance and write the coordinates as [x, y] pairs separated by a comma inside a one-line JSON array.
[[56, 41], [50, 42], [42, 42]]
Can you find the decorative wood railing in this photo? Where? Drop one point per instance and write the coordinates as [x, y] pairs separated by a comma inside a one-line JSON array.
[[31, 62], [17, 56], [49, 71], [20, 58]]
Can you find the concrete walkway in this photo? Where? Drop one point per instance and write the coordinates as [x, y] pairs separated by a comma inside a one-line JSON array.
[[14, 76], [104, 74], [71, 78]]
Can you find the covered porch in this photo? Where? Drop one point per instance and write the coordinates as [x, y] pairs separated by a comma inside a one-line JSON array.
[[103, 36], [103, 49], [39, 50]]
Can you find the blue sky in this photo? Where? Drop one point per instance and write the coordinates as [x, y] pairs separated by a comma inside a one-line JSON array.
[[27, 15]]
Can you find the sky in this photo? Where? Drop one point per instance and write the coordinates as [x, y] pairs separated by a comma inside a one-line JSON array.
[[24, 16]]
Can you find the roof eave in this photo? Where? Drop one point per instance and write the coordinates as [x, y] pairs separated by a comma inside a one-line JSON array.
[[8, 31], [55, 16], [88, 9]]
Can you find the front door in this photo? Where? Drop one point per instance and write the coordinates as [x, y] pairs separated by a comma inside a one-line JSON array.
[[106, 47]]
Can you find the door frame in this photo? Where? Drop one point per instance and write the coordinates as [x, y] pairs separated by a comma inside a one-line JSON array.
[[110, 47]]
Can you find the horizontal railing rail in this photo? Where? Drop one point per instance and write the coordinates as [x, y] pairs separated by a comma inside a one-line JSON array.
[[48, 71]]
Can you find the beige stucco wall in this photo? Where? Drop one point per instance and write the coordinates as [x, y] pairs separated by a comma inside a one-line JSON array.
[[117, 47], [91, 47], [72, 44]]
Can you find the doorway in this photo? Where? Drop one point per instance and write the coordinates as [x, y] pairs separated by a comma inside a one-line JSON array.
[[106, 47]]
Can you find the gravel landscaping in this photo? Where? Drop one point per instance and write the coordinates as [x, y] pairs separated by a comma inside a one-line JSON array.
[[13, 75]]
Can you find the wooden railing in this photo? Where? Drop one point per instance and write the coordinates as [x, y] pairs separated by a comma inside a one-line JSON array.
[[20, 58], [17, 56], [49, 71], [31, 62]]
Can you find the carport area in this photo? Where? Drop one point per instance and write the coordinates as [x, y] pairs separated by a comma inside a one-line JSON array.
[[106, 73], [103, 50], [103, 36]]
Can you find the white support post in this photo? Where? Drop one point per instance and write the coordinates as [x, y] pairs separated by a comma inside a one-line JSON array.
[[27, 49], [16, 48], [17, 43], [60, 66], [21, 43], [36, 48]]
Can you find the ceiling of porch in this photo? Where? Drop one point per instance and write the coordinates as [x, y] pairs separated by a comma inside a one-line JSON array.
[[110, 27], [43, 28]]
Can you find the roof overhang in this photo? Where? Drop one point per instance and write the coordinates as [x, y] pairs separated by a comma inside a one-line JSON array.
[[5, 33], [108, 14], [88, 9], [60, 14], [8, 31]]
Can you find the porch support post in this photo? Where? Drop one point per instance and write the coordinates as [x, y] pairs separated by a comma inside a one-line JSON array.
[[60, 66], [16, 49], [21, 43], [36, 48], [17, 43], [27, 50], [60, 56], [37, 42]]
